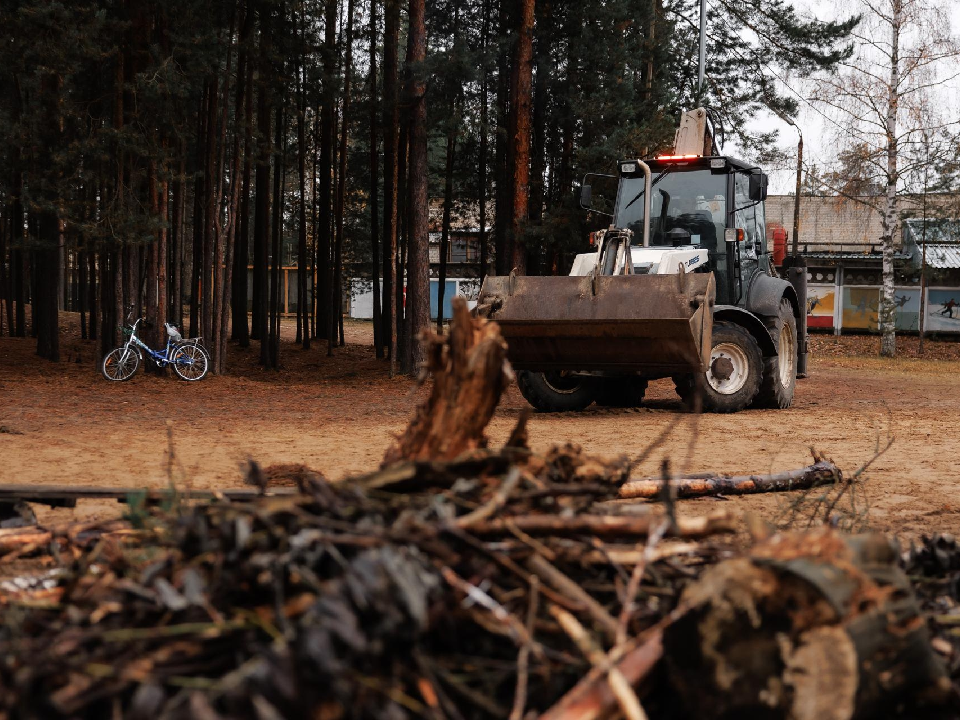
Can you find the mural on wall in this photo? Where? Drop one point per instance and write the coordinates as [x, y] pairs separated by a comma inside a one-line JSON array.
[[860, 306], [907, 304], [943, 311], [821, 301]]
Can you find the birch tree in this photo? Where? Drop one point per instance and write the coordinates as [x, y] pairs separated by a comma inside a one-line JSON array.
[[905, 53]]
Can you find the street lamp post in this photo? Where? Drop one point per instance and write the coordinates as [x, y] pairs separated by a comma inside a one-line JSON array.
[[794, 264]]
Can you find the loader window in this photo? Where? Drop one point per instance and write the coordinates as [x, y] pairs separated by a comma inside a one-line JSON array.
[[694, 200], [749, 215]]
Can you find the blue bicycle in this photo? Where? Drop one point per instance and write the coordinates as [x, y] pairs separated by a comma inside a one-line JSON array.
[[188, 357]]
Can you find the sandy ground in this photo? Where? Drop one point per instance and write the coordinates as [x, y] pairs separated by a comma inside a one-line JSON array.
[[63, 423]]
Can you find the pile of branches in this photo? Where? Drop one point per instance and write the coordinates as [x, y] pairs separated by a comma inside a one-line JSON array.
[[476, 588], [500, 584]]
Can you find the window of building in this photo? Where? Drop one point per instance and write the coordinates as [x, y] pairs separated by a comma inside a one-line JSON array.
[[464, 249]]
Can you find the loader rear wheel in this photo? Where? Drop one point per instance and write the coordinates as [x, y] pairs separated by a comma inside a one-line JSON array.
[[556, 391], [780, 371], [621, 392], [732, 380]]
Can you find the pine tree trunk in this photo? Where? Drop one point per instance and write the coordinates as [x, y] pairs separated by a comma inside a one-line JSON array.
[[45, 300], [484, 135], [198, 223], [119, 311], [569, 124], [401, 289], [5, 295], [445, 228], [130, 274], [153, 330], [538, 148], [222, 233], [261, 223], [303, 311], [325, 214], [374, 187], [418, 269], [108, 318], [81, 289], [162, 242], [93, 294], [17, 255], [276, 234], [392, 283], [520, 105], [887, 314], [213, 237], [501, 163], [231, 230], [336, 306], [314, 214], [177, 243], [21, 265], [47, 297], [241, 327]]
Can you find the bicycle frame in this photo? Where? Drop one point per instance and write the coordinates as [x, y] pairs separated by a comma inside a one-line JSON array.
[[162, 359]]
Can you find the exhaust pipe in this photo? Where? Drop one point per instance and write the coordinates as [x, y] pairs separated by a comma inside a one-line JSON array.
[[647, 189]]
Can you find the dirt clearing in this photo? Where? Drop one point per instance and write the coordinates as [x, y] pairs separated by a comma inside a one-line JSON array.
[[62, 423]]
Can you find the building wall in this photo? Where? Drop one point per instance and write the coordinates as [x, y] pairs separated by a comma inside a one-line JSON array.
[[826, 222]]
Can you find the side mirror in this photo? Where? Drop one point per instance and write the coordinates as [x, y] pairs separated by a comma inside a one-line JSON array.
[[758, 187], [586, 196]]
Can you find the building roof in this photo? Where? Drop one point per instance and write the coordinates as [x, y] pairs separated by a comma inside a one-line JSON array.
[[941, 236], [943, 257]]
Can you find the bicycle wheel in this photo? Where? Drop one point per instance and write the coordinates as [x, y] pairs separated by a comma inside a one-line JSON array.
[[190, 362], [120, 364]]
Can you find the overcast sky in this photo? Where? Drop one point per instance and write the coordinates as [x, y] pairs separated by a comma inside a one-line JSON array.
[[818, 132]]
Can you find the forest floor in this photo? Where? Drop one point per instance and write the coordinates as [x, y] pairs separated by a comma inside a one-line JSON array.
[[63, 423]]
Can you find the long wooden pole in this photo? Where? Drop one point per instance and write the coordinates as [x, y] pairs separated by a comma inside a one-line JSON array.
[[820, 473]]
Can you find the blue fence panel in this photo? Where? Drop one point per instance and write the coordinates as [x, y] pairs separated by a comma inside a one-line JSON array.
[[450, 289]]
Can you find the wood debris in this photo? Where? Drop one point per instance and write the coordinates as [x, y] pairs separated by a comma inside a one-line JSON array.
[[822, 472]]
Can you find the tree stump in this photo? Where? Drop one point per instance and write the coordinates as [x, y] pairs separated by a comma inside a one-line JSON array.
[[470, 372]]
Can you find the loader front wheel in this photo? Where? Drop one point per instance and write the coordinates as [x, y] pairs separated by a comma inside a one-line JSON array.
[[780, 371], [556, 391], [732, 380]]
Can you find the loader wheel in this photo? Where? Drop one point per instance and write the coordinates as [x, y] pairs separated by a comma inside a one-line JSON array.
[[780, 371], [556, 391], [621, 392], [731, 382]]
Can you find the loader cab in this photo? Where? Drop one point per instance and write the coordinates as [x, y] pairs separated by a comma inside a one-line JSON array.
[[700, 202]]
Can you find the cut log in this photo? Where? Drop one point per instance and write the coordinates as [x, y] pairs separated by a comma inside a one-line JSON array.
[[470, 373], [822, 472], [809, 626], [606, 526]]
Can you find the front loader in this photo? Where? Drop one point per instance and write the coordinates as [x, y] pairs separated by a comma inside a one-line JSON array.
[[680, 285]]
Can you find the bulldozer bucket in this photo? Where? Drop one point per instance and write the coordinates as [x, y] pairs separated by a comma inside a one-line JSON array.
[[655, 324]]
